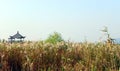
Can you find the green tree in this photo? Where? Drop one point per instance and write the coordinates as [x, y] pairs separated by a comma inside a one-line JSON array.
[[54, 38]]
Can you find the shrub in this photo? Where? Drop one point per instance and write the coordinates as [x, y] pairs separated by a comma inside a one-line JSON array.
[[54, 38]]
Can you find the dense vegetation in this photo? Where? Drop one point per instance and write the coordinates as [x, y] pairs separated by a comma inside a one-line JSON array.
[[54, 38], [54, 54], [63, 56]]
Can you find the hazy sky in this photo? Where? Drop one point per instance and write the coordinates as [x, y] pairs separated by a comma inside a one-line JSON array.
[[74, 19]]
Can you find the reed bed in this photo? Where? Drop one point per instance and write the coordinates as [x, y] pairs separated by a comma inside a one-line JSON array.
[[63, 56]]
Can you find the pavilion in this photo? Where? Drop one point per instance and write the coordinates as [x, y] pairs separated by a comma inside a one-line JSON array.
[[16, 38]]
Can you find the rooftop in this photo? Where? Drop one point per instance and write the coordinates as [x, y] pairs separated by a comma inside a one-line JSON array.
[[17, 35]]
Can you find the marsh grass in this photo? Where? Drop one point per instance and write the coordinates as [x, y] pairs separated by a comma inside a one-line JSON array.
[[64, 56]]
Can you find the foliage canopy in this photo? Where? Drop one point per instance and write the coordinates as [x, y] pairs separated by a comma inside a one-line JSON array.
[[54, 38]]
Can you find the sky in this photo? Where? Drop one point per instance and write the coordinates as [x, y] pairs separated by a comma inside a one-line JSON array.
[[76, 20]]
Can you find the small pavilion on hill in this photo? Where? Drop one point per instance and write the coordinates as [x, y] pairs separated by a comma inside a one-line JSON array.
[[16, 38]]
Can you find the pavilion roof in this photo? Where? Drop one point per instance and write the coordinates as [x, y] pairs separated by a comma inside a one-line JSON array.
[[17, 35]]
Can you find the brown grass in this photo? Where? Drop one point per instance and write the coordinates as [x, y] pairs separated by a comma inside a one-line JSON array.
[[40, 56]]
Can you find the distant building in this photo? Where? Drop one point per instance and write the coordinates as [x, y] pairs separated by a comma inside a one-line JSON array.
[[16, 38]]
